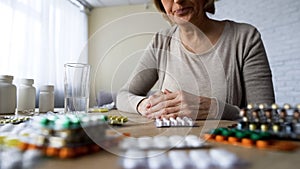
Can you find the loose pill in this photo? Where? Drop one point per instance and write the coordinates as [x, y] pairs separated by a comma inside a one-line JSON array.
[[223, 158], [157, 160], [201, 159], [161, 142], [179, 159], [262, 144], [134, 159], [177, 141], [145, 142]]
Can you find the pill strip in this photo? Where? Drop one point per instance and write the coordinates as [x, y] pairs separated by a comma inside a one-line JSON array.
[[283, 122], [13, 119], [246, 138], [180, 159], [72, 121], [172, 122], [163, 142], [117, 120]]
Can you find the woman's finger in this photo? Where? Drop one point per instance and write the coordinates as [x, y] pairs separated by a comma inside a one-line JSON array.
[[165, 106], [163, 112]]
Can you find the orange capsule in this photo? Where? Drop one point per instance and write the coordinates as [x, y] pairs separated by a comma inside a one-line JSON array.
[[66, 153], [51, 151], [263, 144], [32, 147], [247, 142], [233, 140], [220, 138], [285, 145], [208, 136], [23, 146]]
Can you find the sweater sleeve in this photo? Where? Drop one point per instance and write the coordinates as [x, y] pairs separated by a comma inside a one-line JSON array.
[[141, 81], [253, 73], [257, 76]]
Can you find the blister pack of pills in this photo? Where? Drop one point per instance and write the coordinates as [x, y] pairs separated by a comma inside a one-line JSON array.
[[13, 119], [163, 142], [65, 135], [172, 122], [247, 138], [181, 159], [281, 122], [67, 128], [61, 135], [117, 120]]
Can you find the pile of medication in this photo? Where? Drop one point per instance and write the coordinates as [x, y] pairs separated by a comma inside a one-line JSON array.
[[180, 159], [172, 122], [60, 135], [250, 139], [281, 122], [163, 142], [66, 135], [11, 156], [262, 126]]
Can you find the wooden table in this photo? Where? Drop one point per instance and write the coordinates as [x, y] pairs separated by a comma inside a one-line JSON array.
[[139, 126]]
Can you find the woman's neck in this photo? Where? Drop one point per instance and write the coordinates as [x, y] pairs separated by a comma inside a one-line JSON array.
[[201, 36]]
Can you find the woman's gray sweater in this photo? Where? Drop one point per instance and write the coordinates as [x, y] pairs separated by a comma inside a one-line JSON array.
[[235, 70]]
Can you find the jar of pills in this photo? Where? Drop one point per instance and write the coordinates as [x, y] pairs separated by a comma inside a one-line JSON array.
[[46, 98], [26, 96], [8, 95]]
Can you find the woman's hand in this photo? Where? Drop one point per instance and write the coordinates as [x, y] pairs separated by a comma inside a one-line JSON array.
[[172, 104], [145, 104]]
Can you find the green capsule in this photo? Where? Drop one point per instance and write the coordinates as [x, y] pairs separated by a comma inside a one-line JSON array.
[[227, 133], [62, 123], [242, 134], [75, 121], [265, 135], [216, 131], [256, 136]]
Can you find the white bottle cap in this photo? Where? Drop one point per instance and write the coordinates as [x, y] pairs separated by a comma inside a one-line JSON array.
[[47, 88], [6, 77], [27, 81]]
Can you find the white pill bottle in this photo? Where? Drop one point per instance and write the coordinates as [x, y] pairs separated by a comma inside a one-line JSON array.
[[8, 95], [26, 96], [46, 98]]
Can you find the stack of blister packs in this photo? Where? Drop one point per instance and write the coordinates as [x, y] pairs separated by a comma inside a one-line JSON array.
[[66, 135], [175, 151]]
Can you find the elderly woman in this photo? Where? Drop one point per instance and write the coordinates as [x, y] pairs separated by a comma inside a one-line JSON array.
[[204, 68]]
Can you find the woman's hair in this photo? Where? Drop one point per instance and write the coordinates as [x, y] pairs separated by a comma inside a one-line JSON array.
[[208, 7]]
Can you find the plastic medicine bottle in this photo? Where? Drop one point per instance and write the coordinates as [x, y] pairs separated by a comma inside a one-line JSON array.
[[8, 95], [26, 95], [46, 98]]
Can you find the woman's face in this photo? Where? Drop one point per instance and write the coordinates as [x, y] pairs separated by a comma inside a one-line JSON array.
[[184, 10]]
